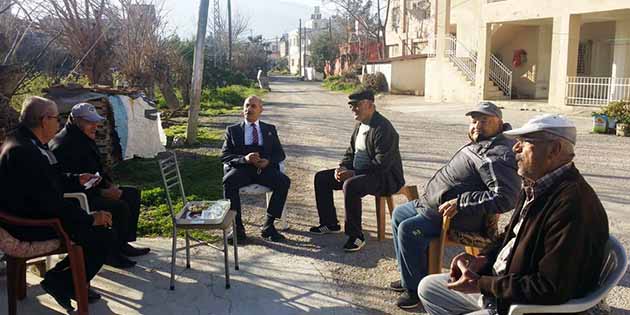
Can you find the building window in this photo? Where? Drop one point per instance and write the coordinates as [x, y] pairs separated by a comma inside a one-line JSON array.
[[393, 50]]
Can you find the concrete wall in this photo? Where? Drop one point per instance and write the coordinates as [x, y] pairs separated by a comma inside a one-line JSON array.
[[621, 47], [445, 84], [517, 10], [405, 76], [599, 36], [524, 77], [408, 76]]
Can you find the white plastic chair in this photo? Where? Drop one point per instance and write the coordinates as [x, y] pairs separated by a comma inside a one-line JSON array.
[[614, 268], [256, 189]]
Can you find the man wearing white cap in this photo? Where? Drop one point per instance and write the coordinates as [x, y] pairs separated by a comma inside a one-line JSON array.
[[76, 150], [553, 248]]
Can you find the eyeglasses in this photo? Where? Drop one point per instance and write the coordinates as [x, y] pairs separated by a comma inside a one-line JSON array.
[[531, 140]]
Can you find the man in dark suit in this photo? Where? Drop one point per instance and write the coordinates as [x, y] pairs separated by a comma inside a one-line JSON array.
[[372, 165], [32, 187], [76, 149], [252, 153]]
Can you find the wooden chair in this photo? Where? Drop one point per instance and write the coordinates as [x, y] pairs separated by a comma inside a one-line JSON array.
[[472, 242], [169, 168], [411, 192], [18, 252]]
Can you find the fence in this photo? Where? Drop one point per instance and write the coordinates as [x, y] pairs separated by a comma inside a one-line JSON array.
[[596, 91]]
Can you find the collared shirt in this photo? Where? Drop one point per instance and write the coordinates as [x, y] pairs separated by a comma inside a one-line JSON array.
[[532, 191], [249, 139]]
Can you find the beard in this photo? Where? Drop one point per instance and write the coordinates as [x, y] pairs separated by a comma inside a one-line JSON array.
[[477, 136]]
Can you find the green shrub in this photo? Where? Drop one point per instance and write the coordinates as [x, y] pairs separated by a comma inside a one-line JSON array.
[[345, 83], [619, 110]]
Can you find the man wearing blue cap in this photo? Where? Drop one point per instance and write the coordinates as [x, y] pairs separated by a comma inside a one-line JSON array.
[[552, 250], [479, 180], [76, 150]]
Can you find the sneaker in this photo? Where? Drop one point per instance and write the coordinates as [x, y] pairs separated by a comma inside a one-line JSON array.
[[408, 300], [354, 244], [325, 229], [271, 234], [60, 297], [396, 286]]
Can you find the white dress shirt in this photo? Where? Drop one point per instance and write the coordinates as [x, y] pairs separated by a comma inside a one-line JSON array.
[[249, 139]]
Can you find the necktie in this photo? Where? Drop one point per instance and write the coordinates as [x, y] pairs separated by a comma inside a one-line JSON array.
[[254, 135]]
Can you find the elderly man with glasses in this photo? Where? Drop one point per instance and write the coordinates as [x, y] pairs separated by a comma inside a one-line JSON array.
[[372, 165], [553, 248]]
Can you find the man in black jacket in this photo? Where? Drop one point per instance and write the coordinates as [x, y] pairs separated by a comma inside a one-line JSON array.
[[479, 180], [32, 187], [251, 154], [76, 149], [372, 165]]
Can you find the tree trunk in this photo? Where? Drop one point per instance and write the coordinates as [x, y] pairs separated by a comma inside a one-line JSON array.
[[169, 95]]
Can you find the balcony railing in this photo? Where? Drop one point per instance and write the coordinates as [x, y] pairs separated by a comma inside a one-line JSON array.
[[596, 91]]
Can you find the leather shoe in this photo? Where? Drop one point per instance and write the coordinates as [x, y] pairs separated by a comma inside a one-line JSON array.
[[119, 261], [131, 251], [271, 234], [240, 234], [92, 295], [62, 298]]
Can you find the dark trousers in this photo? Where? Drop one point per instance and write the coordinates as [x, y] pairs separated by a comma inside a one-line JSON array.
[[125, 213], [354, 189], [95, 242], [271, 177]]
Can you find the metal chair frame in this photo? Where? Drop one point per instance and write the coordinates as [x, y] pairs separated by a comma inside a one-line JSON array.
[[171, 176]]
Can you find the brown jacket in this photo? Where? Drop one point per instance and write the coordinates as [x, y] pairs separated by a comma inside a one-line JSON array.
[[560, 249]]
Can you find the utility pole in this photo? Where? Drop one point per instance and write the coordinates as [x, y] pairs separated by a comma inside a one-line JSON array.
[[193, 115], [229, 11], [300, 48]]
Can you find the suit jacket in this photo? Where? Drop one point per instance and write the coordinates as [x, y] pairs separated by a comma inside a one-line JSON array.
[[233, 151], [382, 149], [559, 251], [32, 188], [78, 154]]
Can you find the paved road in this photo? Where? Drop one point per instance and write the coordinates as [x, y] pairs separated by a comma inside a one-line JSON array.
[[312, 274], [315, 127]]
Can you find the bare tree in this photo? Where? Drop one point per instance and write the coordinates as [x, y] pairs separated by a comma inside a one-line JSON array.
[[368, 18], [85, 31]]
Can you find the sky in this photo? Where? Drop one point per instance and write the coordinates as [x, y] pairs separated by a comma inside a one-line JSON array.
[[269, 18]]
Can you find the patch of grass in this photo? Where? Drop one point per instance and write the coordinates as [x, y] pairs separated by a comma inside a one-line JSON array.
[[205, 135], [341, 83], [201, 176], [226, 100]]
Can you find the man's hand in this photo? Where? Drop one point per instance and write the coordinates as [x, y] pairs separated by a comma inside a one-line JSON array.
[[467, 282], [341, 174], [449, 208], [86, 177], [262, 163], [102, 218], [112, 192], [252, 158], [338, 171], [473, 263]]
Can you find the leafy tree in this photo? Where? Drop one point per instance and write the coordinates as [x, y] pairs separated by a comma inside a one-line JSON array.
[[323, 48]]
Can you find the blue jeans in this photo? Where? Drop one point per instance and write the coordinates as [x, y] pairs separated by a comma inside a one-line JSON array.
[[412, 229]]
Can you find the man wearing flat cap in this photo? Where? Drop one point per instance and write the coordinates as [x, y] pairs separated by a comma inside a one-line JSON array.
[[552, 250], [480, 180], [75, 148], [371, 165]]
